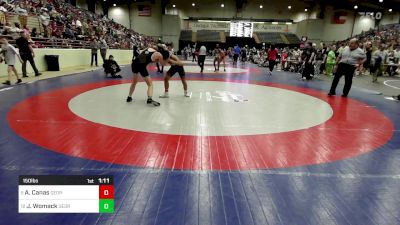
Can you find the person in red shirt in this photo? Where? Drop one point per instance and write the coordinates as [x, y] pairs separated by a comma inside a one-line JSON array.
[[272, 55]]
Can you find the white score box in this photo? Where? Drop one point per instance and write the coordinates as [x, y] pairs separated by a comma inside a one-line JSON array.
[[66, 194], [58, 206], [59, 192]]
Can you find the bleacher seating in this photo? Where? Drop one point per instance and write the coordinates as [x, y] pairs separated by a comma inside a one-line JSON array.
[[62, 32], [292, 38], [186, 35], [270, 38], [208, 36]]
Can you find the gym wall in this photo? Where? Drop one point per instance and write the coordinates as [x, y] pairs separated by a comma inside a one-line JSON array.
[[69, 58]]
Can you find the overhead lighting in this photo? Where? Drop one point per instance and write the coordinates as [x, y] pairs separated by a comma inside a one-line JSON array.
[[261, 6], [381, 1], [193, 4], [356, 7], [174, 6], [275, 23], [305, 10], [114, 4], [289, 7], [288, 23], [390, 10], [222, 5]]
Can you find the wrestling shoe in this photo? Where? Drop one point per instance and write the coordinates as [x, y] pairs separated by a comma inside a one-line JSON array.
[[151, 101]]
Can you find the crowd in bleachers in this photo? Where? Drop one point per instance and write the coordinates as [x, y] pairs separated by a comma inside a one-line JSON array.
[[381, 46], [61, 20]]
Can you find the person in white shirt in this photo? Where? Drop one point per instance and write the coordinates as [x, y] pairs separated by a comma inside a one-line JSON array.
[[78, 23], [45, 20], [20, 10], [103, 48], [349, 60], [193, 51], [378, 59], [2, 9], [202, 57], [9, 53]]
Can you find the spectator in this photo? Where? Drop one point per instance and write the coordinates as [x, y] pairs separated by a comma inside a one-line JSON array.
[[103, 48], [272, 56], [308, 59], [330, 61], [378, 59], [26, 31], [319, 59], [20, 10], [94, 46], [2, 9], [69, 33], [27, 54], [111, 67], [350, 58], [45, 21], [9, 53], [34, 32]]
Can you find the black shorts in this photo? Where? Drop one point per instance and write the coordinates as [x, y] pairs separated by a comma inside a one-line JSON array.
[[141, 68], [235, 57], [366, 65], [176, 69]]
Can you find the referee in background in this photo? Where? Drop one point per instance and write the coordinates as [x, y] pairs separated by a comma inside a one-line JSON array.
[[351, 58]]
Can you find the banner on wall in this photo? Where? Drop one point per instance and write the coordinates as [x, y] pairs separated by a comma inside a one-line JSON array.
[[225, 26], [144, 10], [208, 26], [262, 27], [339, 17]]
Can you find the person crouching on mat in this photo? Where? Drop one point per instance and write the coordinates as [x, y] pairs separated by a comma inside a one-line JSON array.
[[111, 67], [171, 72], [139, 65]]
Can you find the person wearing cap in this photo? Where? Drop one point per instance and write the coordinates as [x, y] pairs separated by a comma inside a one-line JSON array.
[[350, 58]]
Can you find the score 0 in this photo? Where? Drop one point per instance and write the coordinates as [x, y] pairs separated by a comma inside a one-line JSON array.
[[106, 198]]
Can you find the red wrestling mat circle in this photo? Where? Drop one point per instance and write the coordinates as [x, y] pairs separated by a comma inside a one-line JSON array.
[[354, 129]]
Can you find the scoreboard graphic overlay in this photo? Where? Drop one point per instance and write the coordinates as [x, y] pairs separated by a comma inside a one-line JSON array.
[[66, 194]]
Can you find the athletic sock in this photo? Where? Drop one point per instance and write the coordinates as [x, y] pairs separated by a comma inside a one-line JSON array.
[[165, 95]]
